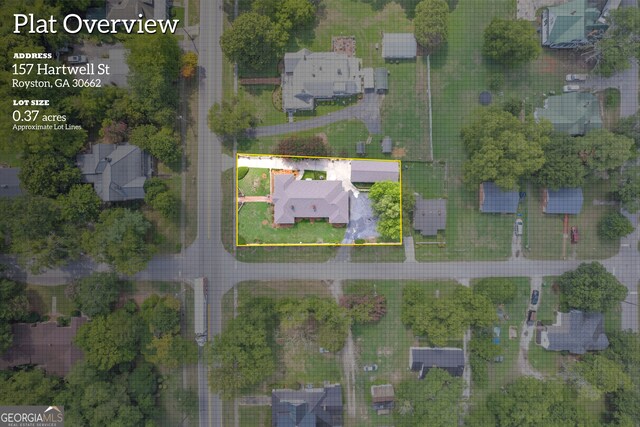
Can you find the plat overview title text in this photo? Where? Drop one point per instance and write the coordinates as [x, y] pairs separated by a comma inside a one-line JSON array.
[[74, 24]]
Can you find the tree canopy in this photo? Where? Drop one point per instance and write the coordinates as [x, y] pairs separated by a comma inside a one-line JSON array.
[[614, 226], [429, 402], [385, 200], [303, 146], [502, 149], [13, 306], [119, 238], [162, 314], [162, 143], [596, 375], [629, 191], [510, 42], [96, 294], [431, 23], [48, 174], [232, 118], [620, 43], [253, 40], [28, 387], [562, 167], [80, 205], [603, 151], [590, 287]]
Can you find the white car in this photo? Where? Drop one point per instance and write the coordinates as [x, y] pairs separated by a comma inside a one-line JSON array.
[[570, 88], [77, 59], [519, 227], [576, 77]]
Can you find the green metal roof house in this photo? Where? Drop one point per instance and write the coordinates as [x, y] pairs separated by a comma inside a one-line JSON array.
[[575, 113], [571, 24]]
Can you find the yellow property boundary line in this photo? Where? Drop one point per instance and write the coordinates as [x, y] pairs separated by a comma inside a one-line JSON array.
[[314, 244]]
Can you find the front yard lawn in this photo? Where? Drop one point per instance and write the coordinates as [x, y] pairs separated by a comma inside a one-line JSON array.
[[40, 300], [255, 183], [255, 226], [255, 416], [377, 253]]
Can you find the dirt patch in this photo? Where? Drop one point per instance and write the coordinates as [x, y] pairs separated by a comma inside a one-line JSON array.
[[549, 64], [265, 222], [399, 152], [323, 137]]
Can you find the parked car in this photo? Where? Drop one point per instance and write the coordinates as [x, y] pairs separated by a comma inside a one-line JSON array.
[[576, 77], [534, 297], [76, 59], [575, 235], [323, 350], [519, 227], [570, 88], [370, 368], [531, 317]]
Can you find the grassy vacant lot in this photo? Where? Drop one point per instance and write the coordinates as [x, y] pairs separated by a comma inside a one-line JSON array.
[[543, 233], [385, 343], [255, 416], [549, 301], [40, 299], [255, 183], [255, 225], [501, 374]]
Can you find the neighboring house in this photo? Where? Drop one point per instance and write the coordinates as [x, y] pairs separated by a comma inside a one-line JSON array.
[[312, 76], [298, 199], [313, 407], [399, 46], [429, 216], [421, 359], [575, 332], [381, 80], [495, 200], [387, 145], [10, 182], [572, 24], [382, 398], [575, 113], [44, 344], [366, 171], [562, 201], [117, 172], [131, 9]]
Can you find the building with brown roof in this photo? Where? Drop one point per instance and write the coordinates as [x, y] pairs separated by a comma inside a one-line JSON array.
[[298, 199], [382, 398], [44, 344]]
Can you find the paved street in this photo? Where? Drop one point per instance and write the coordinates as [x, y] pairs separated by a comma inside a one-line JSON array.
[[626, 81]]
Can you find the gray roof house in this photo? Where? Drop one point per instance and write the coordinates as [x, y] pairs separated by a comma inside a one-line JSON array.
[[130, 9], [575, 332], [117, 172], [365, 171], [309, 199], [10, 182], [323, 75], [313, 407], [399, 46], [429, 216], [495, 200], [421, 359], [387, 145], [562, 201]]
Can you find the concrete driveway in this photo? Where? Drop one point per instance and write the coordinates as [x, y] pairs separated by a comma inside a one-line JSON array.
[[625, 81], [362, 221]]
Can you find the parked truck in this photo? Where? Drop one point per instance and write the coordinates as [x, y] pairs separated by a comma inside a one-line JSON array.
[[200, 291]]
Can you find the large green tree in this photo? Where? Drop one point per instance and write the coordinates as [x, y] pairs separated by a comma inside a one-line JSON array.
[[28, 387], [597, 375], [562, 166], [502, 149], [614, 226], [603, 151], [120, 239], [429, 402], [96, 294], [385, 200], [431, 23], [240, 357], [253, 41], [48, 174], [154, 67], [629, 189], [590, 287], [80, 205], [232, 118], [162, 143], [13, 307], [303, 146], [612, 53], [162, 314], [110, 340], [510, 42]]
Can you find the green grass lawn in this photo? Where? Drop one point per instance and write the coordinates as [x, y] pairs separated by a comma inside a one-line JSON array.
[[255, 416], [261, 96], [549, 301], [255, 225], [255, 183], [311, 174], [546, 362], [501, 374], [177, 12], [377, 254], [543, 233], [40, 299], [167, 230]]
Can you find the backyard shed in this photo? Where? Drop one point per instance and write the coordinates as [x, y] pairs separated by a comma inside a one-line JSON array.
[[365, 171], [360, 148], [367, 75], [495, 200], [387, 145], [399, 46], [382, 398], [562, 201], [381, 79], [429, 216]]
